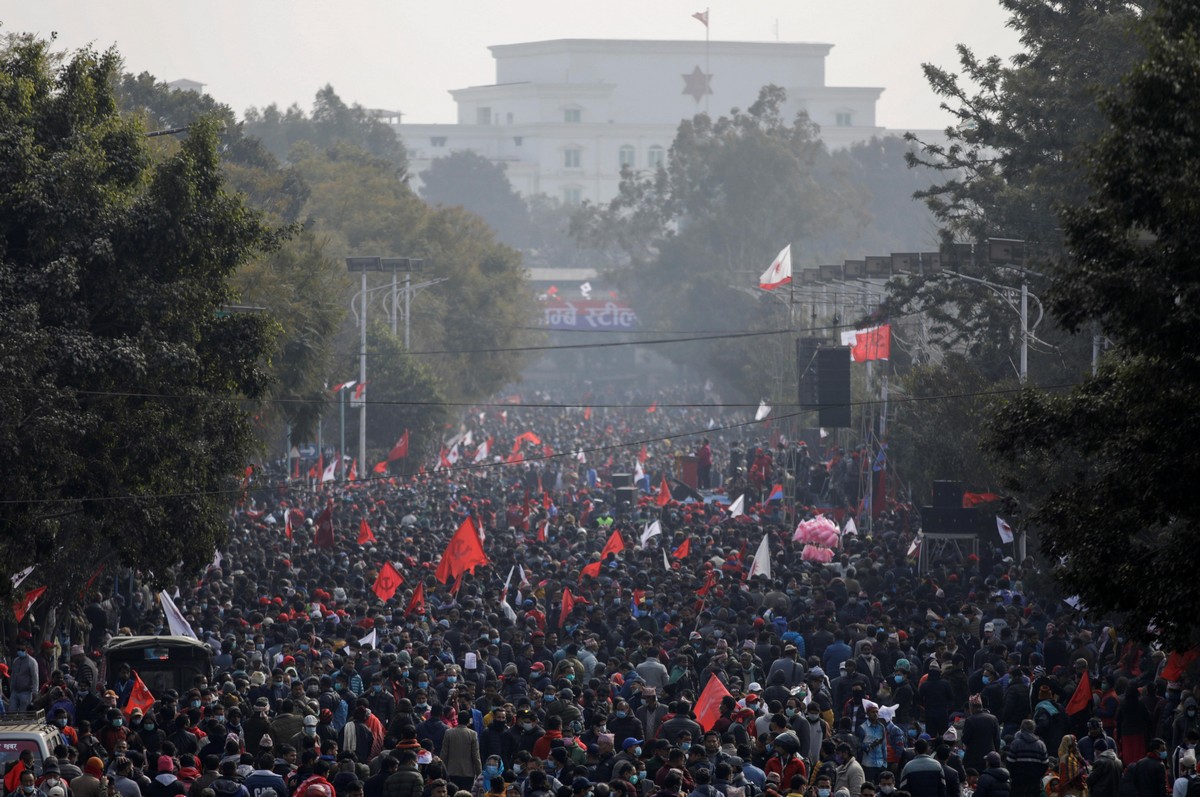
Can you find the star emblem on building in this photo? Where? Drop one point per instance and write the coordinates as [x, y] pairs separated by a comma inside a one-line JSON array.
[[697, 83]]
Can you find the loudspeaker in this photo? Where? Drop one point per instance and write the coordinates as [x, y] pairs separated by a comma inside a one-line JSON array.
[[806, 368], [948, 494], [629, 494], [622, 480], [954, 520], [833, 386]]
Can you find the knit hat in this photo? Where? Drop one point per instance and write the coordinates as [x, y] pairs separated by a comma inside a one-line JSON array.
[[166, 763], [94, 767]]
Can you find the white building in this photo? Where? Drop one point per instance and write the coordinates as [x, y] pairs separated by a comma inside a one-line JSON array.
[[565, 115]]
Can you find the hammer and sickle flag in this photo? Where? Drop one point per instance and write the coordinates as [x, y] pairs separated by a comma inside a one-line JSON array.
[[387, 583]]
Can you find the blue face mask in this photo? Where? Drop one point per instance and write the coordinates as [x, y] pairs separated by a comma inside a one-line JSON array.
[[377, 687], [986, 679], [422, 684], [898, 679], [451, 679], [1162, 753], [621, 714], [685, 746], [548, 698]]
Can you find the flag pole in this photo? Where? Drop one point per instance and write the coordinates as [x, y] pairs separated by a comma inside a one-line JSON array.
[[707, 24]]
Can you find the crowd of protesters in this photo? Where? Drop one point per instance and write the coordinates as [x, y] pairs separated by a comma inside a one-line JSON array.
[[854, 678]]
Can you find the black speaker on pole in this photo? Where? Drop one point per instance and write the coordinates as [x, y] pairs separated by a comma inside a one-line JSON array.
[[622, 480], [806, 368], [948, 494], [833, 386], [627, 494]]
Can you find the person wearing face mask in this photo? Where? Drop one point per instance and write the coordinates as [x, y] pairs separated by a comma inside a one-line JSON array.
[[887, 783], [1185, 722], [23, 679], [822, 786], [114, 730], [923, 776], [1150, 772], [980, 735], [1095, 733], [381, 701], [650, 713]]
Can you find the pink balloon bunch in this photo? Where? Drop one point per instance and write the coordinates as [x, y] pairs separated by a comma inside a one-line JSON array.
[[820, 536]]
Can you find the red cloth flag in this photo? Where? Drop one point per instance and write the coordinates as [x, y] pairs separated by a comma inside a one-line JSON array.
[[1178, 663], [653, 407], [708, 705], [323, 538], [547, 501], [387, 582], [139, 697], [972, 500], [22, 607], [1082, 699], [779, 273], [587, 413], [417, 602], [568, 605], [683, 550], [365, 534], [643, 455], [543, 527], [872, 343], [287, 523], [399, 451], [664, 493], [710, 581], [525, 436], [614, 545], [457, 585], [463, 553], [353, 474]]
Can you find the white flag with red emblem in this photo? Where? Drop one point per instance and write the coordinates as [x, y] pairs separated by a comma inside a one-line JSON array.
[[780, 271]]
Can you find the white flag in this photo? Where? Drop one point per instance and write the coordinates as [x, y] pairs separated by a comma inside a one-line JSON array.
[[481, 453], [712, 423], [916, 545], [509, 614], [737, 508], [330, 470], [217, 559], [638, 473], [175, 619], [850, 527], [666, 561], [760, 565], [19, 577], [763, 411], [1006, 532], [651, 530], [779, 272], [369, 639]]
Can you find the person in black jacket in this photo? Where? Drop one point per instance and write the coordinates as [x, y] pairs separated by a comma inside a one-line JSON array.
[[994, 780], [937, 699], [980, 735], [1150, 773]]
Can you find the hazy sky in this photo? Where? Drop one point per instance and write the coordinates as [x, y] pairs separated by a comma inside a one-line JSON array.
[[405, 55]]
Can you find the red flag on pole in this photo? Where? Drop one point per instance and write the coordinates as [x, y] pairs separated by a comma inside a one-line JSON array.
[[614, 545], [708, 705], [12, 778], [387, 582], [1082, 699], [287, 523], [463, 553], [568, 605], [683, 550], [139, 697], [664, 493], [587, 413], [365, 534], [323, 538], [972, 500], [399, 451], [22, 607], [417, 602]]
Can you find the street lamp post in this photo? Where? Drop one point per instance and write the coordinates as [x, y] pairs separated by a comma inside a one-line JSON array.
[[362, 265]]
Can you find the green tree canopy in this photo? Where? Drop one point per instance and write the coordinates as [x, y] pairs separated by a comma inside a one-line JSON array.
[[1096, 467], [468, 180], [126, 422]]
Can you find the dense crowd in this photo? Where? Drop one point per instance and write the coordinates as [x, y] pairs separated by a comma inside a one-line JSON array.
[[672, 672]]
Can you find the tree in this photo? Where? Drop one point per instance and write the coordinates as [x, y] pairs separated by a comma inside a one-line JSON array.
[[127, 426], [331, 123], [474, 183], [1096, 467], [700, 230], [413, 400]]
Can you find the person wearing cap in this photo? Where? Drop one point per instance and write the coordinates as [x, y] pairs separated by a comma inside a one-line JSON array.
[[1104, 779], [937, 699], [165, 783], [1095, 733], [650, 712], [789, 666], [1027, 759], [994, 780], [980, 735]]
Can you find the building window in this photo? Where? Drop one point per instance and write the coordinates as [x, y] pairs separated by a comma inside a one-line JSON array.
[[627, 157], [572, 195], [572, 116], [572, 158], [438, 141], [483, 116], [655, 156], [843, 119]]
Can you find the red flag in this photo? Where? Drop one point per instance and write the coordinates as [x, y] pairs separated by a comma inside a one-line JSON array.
[[417, 602], [12, 779], [387, 582], [587, 413], [653, 407], [287, 523], [664, 493], [568, 605], [547, 501], [323, 538], [643, 456], [22, 607], [1082, 699], [710, 581], [457, 585], [139, 697], [543, 527], [971, 500], [353, 474], [614, 545], [1178, 662], [365, 534], [683, 550], [463, 553], [708, 705], [872, 343]]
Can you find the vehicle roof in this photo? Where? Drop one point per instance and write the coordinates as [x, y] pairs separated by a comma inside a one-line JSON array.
[[136, 642]]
